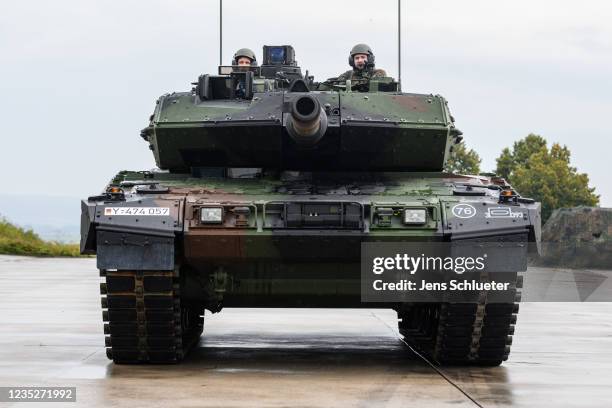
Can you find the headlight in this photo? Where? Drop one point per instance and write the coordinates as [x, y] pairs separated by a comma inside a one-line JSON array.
[[211, 215], [385, 215], [415, 216]]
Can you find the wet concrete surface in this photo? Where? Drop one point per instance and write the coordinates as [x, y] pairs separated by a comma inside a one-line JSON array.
[[51, 335]]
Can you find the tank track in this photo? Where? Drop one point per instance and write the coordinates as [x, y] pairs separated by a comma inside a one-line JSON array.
[[463, 333], [146, 320]]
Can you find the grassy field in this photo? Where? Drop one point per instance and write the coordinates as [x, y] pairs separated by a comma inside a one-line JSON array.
[[17, 241]]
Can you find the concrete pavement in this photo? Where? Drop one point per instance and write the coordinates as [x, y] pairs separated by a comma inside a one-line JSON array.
[[51, 325]]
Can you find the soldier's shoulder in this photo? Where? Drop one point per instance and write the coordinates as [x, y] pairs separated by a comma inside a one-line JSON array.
[[379, 72], [345, 75]]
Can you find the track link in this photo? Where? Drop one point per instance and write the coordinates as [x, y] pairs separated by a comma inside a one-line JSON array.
[[145, 318], [463, 333]]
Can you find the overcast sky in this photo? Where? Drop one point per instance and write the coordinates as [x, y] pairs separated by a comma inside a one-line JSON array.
[[80, 78]]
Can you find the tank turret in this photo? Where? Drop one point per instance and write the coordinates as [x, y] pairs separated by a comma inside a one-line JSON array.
[[282, 124]]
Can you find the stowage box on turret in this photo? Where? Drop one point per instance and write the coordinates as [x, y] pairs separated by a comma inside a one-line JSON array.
[[267, 185]]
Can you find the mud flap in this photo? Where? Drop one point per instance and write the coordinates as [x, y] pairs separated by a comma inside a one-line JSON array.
[[126, 251]]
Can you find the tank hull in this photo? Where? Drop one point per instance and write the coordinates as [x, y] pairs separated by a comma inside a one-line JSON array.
[[286, 244]]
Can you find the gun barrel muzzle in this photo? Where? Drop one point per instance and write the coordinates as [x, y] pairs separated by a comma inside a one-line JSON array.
[[307, 122]]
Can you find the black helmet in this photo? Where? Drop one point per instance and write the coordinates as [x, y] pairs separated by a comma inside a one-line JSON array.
[[244, 52], [361, 49]]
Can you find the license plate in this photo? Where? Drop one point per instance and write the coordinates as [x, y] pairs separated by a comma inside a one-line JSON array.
[[141, 211]]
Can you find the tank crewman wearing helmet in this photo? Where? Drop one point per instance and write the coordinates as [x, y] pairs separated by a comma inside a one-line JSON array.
[[243, 59], [362, 60]]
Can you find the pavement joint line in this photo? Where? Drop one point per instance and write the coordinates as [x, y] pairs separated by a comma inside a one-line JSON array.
[[432, 365], [90, 355]]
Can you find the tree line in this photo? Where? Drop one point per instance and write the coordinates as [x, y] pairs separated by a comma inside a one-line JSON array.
[[534, 170]]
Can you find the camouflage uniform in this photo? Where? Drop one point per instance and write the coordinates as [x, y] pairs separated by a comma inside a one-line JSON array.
[[362, 74]]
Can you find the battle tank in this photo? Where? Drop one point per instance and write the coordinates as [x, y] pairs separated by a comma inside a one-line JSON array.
[[267, 185]]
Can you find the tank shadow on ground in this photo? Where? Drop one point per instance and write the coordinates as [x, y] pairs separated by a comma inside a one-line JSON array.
[[291, 353], [356, 360]]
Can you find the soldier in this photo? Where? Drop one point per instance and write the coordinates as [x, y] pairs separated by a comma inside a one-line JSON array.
[[244, 57], [242, 60], [362, 60]]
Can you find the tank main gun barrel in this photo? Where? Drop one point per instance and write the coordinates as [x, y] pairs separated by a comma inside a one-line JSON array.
[[307, 121]]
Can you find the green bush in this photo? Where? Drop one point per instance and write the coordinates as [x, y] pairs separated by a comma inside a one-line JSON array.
[[545, 175], [17, 241], [463, 161]]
